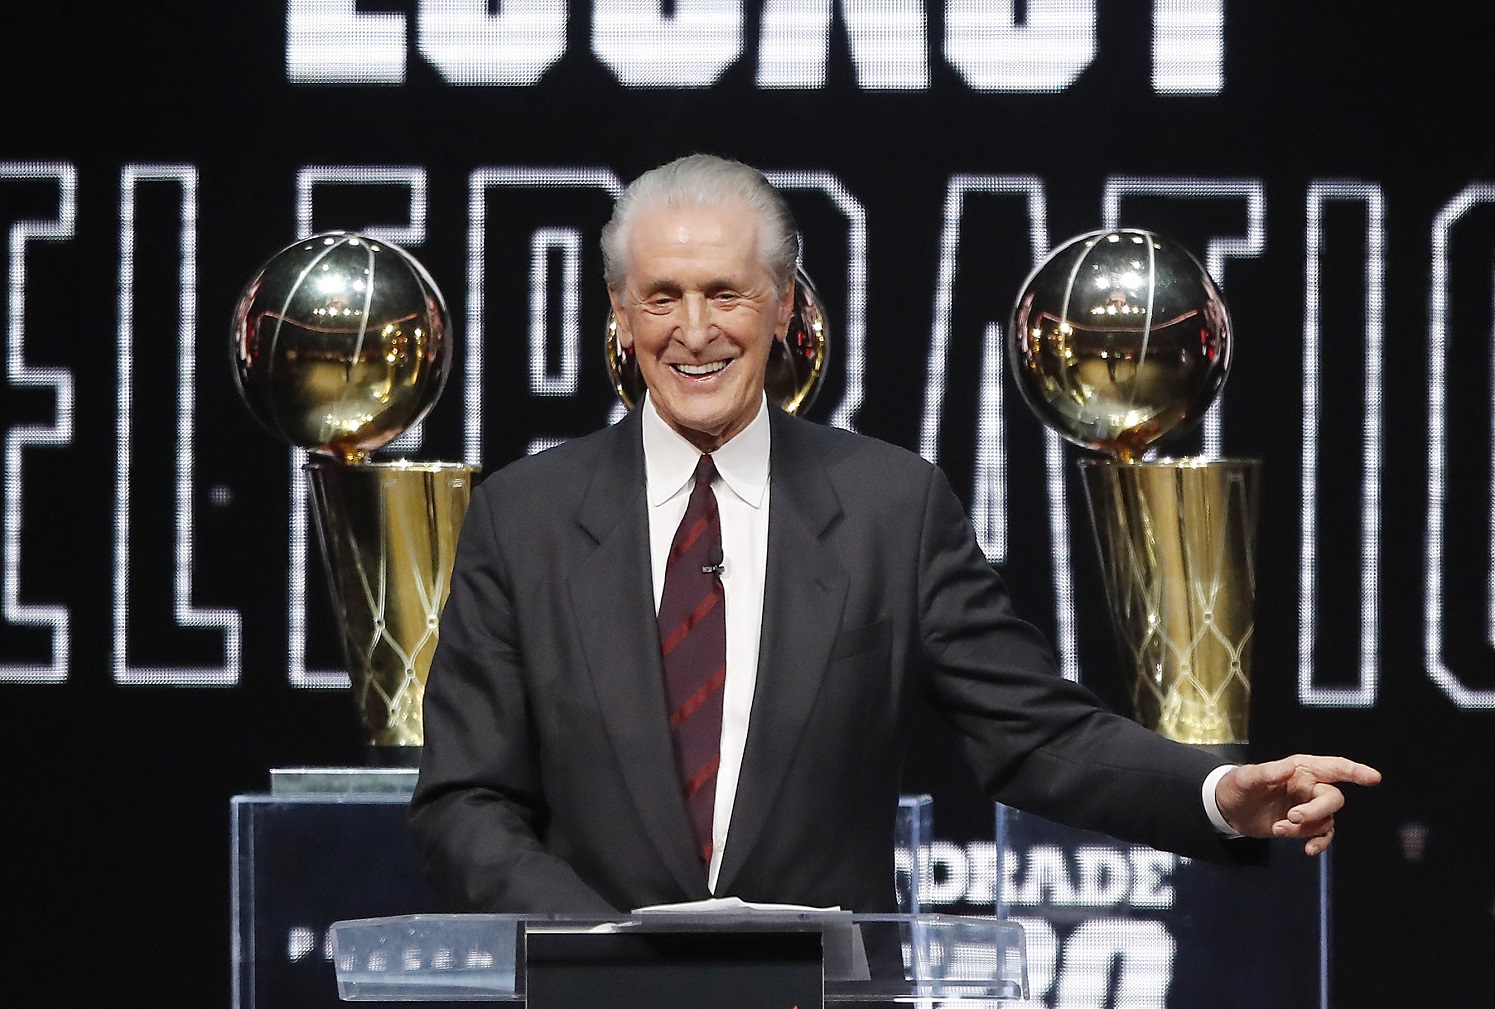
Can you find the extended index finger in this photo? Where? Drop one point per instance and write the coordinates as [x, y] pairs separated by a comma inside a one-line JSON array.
[[1326, 768]]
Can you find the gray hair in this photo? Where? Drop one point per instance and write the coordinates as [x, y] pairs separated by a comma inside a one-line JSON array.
[[705, 180]]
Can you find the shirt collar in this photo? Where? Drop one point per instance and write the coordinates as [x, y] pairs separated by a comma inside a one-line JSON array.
[[670, 460]]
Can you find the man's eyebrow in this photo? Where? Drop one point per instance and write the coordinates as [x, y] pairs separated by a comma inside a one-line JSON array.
[[656, 285], [672, 286]]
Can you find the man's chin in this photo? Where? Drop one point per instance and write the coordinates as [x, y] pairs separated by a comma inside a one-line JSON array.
[[697, 427], [707, 429]]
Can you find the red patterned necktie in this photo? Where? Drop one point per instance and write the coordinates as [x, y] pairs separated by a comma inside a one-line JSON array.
[[693, 649]]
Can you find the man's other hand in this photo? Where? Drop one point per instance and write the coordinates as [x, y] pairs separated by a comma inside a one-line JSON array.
[[1293, 797]]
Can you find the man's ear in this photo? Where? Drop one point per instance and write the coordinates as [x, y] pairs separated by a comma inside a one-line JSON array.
[[620, 319], [786, 312]]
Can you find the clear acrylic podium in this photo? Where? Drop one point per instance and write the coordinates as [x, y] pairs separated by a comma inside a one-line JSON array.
[[853, 957], [1106, 923]]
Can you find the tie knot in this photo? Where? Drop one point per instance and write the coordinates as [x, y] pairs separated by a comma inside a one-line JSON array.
[[705, 471]]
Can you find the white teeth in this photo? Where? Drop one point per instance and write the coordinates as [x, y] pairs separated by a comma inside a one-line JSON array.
[[701, 369]]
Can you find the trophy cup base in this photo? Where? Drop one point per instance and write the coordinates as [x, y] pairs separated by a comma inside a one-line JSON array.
[[362, 781], [392, 756], [1229, 753]]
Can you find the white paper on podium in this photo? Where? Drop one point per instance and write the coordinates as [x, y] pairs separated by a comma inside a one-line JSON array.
[[730, 904]]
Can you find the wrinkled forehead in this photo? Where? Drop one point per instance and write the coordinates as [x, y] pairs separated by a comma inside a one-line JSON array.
[[665, 234]]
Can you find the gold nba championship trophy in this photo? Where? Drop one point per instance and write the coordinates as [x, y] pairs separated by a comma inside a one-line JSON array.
[[796, 366], [340, 343], [1119, 339]]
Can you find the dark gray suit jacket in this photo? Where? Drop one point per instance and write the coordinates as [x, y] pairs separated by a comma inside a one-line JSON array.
[[548, 781]]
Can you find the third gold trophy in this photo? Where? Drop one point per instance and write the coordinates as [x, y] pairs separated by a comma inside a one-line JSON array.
[[1118, 340]]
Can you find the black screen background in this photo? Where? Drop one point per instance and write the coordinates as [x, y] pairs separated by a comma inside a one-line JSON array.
[[116, 868]]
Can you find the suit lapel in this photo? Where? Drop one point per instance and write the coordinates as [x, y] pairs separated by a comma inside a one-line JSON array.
[[803, 596], [612, 598]]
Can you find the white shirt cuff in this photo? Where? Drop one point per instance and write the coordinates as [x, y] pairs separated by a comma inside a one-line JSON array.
[[1211, 807]]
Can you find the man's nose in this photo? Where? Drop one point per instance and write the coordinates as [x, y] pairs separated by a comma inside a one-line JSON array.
[[696, 321]]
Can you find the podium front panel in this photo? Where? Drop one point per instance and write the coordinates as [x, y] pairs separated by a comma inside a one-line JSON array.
[[753, 970], [669, 958], [301, 863]]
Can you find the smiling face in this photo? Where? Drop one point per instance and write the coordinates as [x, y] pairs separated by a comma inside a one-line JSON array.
[[697, 307]]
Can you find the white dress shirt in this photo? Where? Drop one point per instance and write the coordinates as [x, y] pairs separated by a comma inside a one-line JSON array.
[[741, 489]]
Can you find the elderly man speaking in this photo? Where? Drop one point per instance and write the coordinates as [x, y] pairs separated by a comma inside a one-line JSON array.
[[680, 655]]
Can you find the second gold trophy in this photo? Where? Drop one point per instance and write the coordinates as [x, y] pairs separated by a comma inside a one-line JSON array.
[[1118, 340]]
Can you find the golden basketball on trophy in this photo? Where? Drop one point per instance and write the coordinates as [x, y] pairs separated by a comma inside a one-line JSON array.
[[1120, 339], [340, 343]]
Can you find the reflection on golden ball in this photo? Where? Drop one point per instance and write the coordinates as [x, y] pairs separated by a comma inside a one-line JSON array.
[[1118, 339], [340, 343], [796, 366]]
